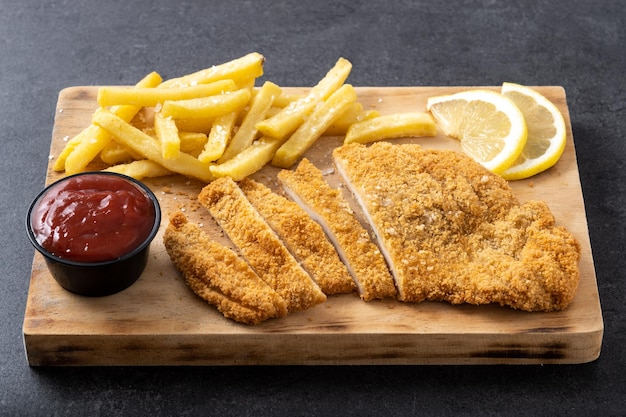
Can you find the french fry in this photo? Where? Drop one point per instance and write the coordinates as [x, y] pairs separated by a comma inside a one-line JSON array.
[[148, 147], [84, 135], [195, 125], [140, 169], [313, 128], [192, 142], [89, 147], [354, 114], [207, 107], [59, 162], [150, 97], [273, 111], [399, 125], [167, 133], [115, 153], [246, 134], [248, 161], [84, 147], [278, 105], [240, 70], [218, 139], [247, 84], [215, 123], [285, 99], [293, 115]]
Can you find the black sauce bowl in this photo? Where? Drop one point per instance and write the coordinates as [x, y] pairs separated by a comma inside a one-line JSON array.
[[97, 279]]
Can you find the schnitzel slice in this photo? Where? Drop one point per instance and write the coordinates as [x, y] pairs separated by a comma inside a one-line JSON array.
[[453, 231], [218, 275], [304, 238], [307, 187], [259, 245]]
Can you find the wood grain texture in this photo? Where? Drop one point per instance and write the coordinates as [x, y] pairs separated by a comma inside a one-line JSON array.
[[159, 321]]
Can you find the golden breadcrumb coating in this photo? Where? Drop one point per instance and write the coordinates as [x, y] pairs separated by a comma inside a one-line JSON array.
[[259, 245], [303, 237], [453, 231], [307, 186], [218, 275]]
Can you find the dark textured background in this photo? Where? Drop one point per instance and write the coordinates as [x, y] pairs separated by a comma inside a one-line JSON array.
[[580, 45]]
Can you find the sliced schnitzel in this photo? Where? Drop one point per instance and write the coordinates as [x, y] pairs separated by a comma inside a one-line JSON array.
[[304, 238], [452, 231], [259, 245], [306, 186], [218, 275]]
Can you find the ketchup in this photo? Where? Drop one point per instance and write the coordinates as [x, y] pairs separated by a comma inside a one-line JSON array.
[[93, 218]]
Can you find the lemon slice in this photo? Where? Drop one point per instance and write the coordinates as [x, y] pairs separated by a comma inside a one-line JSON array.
[[546, 132], [491, 128]]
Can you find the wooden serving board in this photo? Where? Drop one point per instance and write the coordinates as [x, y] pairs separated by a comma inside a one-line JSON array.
[[159, 321]]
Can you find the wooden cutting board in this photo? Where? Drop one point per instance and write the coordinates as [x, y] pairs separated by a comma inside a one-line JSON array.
[[159, 321]]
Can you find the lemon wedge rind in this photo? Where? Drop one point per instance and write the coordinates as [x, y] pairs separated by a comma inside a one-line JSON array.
[[491, 128], [547, 134]]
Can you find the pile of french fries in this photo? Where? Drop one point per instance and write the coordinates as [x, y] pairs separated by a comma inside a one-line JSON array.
[[215, 123]]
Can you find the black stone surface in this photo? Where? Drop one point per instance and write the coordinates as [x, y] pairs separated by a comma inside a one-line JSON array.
[[580, 44]]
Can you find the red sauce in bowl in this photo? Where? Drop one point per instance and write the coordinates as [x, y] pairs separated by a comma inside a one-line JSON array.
[[93, 218]]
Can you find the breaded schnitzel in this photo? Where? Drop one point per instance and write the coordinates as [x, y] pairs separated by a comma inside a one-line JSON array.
[[218, 275], [306, 186], [304, 238], [453, 231], [259, 245]]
